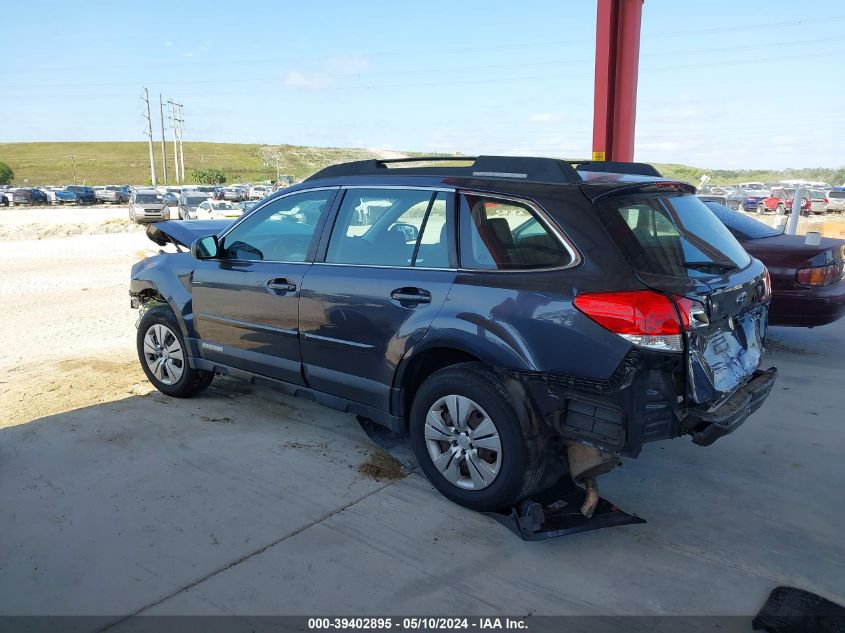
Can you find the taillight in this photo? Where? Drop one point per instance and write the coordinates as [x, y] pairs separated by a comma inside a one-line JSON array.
[[644, 317], [767, 287], [820, 275]]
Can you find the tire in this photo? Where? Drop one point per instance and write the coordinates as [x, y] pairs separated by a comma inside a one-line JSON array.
[[780, 210], [761, 209], [163, 355], [504, 476]]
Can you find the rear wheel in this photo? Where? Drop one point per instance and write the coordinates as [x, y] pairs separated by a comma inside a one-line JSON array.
[[164, 355], [472, 440], [781, 210], [761, 209]]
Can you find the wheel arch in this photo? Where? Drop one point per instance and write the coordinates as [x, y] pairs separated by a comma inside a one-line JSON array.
[[146, 284], [433, 354]]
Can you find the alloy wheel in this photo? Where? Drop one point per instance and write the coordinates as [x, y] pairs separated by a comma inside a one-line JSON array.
[[463, 442], [164, 354]]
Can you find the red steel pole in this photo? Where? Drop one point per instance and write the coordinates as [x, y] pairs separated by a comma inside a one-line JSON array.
[[617, 60]]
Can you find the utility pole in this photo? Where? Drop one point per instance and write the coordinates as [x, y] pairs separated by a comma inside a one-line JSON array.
[[172, 106], [73, 164], [163, 154], [181, 146], [149, 133]]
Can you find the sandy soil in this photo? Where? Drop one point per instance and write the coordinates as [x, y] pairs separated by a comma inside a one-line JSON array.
[[67, 335]]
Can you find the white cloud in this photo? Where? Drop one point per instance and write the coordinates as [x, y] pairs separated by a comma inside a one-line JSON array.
[[347, 65], [326, 73], [546, 118], [306, 81]]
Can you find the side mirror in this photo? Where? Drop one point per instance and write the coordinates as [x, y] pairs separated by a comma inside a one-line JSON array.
[[409, 232], [205, 247]]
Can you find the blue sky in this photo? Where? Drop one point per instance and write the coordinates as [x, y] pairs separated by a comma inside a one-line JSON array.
[[722, 83]]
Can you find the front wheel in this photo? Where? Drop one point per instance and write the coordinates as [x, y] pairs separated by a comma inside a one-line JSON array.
[[164, 355], [781, 210], [761, 209], [473, 441]]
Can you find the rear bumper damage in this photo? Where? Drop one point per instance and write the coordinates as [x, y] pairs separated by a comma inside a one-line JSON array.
[[642, 402], [708, 425]]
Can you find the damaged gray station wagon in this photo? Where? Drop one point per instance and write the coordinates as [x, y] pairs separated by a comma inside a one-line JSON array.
[[518, 318]]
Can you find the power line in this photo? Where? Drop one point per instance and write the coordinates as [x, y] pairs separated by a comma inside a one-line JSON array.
[[405, 52]]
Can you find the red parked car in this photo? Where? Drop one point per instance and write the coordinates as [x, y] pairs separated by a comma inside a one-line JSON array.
[[808, 282], [779, 201]]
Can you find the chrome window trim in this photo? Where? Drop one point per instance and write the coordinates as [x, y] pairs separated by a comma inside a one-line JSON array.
[[409, 187], [408, 267], [544, 219]]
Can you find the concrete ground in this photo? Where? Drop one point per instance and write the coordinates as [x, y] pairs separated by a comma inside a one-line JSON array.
[[244, 501]]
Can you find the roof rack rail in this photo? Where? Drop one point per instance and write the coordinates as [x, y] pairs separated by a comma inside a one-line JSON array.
[[522, 168], [616, 167]]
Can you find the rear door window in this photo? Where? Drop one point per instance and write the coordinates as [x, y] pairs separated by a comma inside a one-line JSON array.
[[390, 227], [671, 234], [501, 234]]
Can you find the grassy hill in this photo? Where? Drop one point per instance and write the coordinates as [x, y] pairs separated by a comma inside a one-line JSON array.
[[128, 162]]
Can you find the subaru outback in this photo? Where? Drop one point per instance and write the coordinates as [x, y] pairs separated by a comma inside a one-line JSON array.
[[518, 318]]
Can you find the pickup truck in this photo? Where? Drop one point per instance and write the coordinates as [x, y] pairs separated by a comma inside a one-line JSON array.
[[118, 194]]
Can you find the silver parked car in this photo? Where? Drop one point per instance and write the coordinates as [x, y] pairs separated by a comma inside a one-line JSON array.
[[818, 201], [189, 201], [147, 205], [835, 201]]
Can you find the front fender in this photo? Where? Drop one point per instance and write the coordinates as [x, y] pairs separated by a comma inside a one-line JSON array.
[[169, 275]]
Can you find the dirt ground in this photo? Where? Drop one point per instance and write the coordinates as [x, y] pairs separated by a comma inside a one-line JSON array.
[[116, 500], [67, 325]]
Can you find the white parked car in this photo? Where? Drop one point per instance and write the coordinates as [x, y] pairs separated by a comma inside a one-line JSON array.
[[258, 192], [218, 210]]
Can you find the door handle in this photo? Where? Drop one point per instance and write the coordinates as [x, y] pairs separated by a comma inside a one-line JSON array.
[[280, 286], [411, 295]]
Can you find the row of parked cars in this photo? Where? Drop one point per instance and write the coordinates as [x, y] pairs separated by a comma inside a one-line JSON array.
[[72, 194], [777, 199], [196, 202], [122, 194]]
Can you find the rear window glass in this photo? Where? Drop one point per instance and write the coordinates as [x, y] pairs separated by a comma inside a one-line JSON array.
[[741, 225], [674, 235]]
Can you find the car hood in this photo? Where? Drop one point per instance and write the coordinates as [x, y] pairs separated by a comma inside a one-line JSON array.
[[184, 232]]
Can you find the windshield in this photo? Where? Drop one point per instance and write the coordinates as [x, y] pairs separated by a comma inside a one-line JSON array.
[[147, 198], [195, 201], [671, 234], [225, 206], [741, 225]]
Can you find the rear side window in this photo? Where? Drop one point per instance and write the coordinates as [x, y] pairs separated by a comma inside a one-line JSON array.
[[741, 225], [839, 195], [673, 235], [506, 235]]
